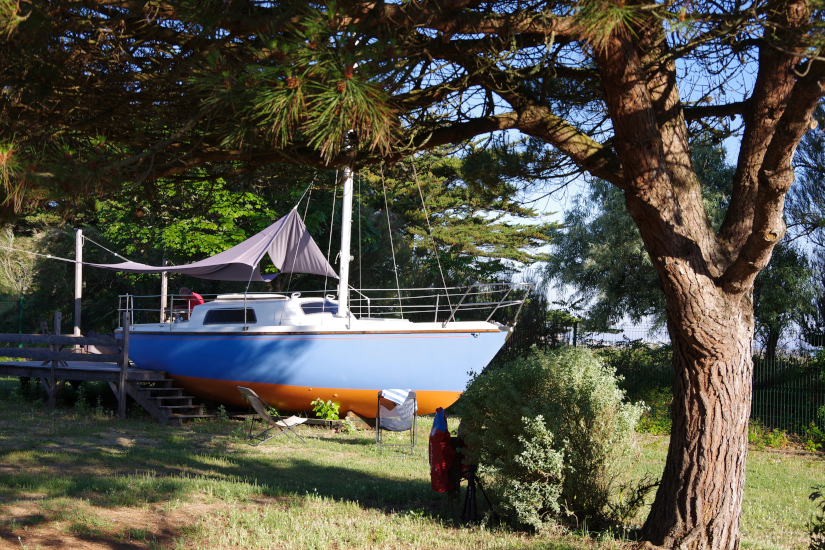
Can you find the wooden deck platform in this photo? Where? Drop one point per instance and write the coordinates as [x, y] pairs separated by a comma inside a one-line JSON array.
[[56, 359], [78, 370]]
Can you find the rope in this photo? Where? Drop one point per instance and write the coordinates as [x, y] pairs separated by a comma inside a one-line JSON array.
[[309, 188], [430, 229], [49, 256], [85, 238], [392, 246], [309, 198]]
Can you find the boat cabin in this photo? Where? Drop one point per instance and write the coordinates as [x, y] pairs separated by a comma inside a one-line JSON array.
[[262, 310]]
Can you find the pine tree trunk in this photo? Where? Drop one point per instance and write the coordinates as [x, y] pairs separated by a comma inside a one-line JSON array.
[[699, 502]]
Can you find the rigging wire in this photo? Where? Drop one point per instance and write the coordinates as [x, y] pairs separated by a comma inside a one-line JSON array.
[[309, 188], [360, 204], [430, 230], [49, 256], [392, 246], [85, 238], [329, 246]]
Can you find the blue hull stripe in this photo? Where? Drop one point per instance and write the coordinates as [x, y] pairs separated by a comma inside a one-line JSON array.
[[421, 361]]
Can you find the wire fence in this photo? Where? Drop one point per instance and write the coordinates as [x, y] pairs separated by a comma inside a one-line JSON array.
[[788, 383]]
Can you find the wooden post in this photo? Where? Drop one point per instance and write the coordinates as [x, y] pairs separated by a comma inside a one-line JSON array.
[[124, 364], [78, 281], [52, 389], [164, 290]]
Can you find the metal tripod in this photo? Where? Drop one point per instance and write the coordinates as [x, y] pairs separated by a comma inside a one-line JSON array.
[[470, 513]]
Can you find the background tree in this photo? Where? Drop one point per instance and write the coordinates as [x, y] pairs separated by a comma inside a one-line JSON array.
[[783, 293], [806, 199], [94, 93], [183, 224], [600, 254]]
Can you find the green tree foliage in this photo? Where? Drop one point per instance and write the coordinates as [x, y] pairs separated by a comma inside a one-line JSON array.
[[475, 221], [551, 431], [10, 16], [599, 253], [806, 200], [200, 221], [782, 294], [805, 209], [812, 317], [182, 224]]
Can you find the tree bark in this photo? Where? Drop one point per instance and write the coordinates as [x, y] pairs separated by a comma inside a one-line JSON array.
[[698, 504], [699, 501]]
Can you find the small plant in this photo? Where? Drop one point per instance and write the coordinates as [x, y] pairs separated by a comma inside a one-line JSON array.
[[80, 403], [816, 525], [16, 397], [777, 439], [348, 426], [222, 416], [761, 437], [325, 410], [813, 438], [100, 410]]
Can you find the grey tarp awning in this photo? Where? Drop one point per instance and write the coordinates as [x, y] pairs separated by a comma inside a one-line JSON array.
[[289, 244]]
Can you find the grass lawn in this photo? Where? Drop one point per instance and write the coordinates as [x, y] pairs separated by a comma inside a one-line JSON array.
[[76, 479]]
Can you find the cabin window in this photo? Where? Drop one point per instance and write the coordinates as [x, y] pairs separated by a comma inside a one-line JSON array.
[[229, 316], [320, 307]]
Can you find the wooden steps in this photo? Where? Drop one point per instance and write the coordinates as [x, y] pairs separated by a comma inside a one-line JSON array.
[[166, 403]]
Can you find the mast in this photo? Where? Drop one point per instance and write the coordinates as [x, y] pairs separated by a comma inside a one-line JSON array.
[[346, 231]]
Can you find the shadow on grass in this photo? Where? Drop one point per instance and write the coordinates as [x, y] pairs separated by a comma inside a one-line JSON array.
[[166, 470]]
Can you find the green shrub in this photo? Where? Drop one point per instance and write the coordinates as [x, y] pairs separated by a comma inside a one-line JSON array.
[[550, 431], [656, 418], [760, 436], [645, 374]]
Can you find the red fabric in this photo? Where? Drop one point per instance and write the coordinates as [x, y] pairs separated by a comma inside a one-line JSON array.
[[442, 455], [195, 299]]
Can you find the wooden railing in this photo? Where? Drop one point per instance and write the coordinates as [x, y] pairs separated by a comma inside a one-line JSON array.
[[58, 356]]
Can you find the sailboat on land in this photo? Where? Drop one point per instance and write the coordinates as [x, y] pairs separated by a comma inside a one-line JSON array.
[[292, 349]]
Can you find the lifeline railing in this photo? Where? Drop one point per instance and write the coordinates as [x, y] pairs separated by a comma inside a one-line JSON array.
[[444, 304], [481, 301]]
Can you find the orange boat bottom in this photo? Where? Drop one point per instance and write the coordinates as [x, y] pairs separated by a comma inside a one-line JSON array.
[[298, 398]]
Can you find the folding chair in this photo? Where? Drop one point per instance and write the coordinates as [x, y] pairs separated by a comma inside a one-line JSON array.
[[396, 413], [264, 411]]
